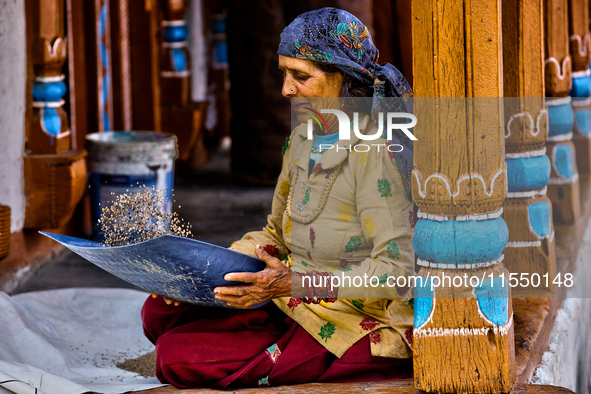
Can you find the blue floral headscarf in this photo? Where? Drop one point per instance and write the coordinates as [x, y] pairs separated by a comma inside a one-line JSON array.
[[334, 36]]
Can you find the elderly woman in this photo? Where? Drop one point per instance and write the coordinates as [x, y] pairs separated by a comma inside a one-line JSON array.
[[336, 212]]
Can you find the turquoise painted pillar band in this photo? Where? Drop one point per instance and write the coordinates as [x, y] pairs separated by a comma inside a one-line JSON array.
[[460, 242], [179, 59], [582, 115], [105, 63], [176, 33], [561, 117], [48, 91], [528, 173], [539, 218], [218, 26], [48, 95], [51, 123], [564, 160], [581, 84], [423, 302], [492, 296], [106, 88], [175, 36], [220, 48], [221, 52]]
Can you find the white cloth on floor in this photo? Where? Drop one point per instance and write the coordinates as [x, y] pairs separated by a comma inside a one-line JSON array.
[[68, 341]]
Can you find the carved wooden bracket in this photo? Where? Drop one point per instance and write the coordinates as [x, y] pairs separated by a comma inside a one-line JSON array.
[[580, 38], [558, 62]]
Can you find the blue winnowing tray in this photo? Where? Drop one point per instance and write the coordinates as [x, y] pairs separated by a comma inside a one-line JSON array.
[[180, 268]]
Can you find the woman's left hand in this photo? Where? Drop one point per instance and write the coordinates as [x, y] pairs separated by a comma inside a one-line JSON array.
[[272, 282]]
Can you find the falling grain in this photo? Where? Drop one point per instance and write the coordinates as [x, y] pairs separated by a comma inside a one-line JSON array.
[[140, 216]]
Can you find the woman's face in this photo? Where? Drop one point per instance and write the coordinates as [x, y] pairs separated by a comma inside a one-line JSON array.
[[302, 81]]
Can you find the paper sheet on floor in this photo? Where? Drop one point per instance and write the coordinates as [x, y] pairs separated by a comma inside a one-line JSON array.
[[68, 341]]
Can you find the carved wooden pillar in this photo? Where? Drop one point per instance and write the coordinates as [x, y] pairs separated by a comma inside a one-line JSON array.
[[463, 338], [527, 210], [54, 175], [103, 65], [580, 49], [48, 127], [121, 65], [179, 115], [563, 185], [217, 74], [175, 68]]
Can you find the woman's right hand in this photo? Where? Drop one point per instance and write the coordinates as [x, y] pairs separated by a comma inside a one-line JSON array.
[[167, 300], [272, 282]]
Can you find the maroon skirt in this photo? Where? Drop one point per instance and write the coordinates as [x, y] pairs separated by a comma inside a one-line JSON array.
[[221, 348]]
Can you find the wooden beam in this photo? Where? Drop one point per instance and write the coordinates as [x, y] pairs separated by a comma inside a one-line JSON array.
[[395, 386]]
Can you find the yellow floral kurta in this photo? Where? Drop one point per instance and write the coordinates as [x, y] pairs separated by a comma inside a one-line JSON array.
[[351, 216]]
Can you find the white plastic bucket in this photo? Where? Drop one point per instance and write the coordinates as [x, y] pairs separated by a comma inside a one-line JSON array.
[[120, 161]]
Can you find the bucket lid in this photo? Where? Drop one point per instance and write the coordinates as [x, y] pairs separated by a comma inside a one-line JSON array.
[[131, 146]]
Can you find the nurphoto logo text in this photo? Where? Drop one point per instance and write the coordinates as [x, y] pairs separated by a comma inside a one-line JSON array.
[[345, 122]]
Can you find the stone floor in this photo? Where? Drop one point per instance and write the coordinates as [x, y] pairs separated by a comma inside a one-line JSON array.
[[219, 212]]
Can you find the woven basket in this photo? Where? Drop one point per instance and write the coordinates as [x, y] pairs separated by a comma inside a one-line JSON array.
[[4, 230]]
